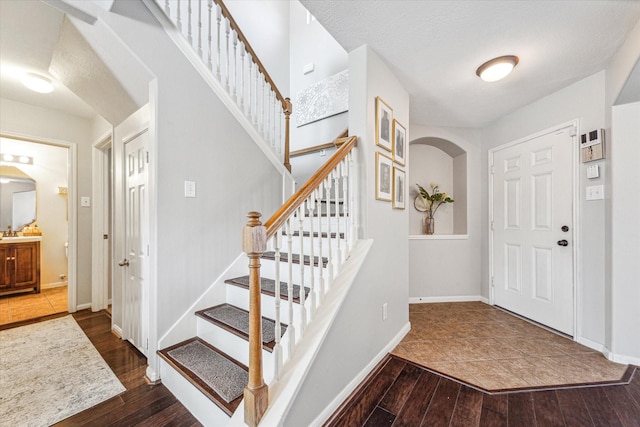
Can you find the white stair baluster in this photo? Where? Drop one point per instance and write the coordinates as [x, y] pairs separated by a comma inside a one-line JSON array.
[[303, 310], [336, 214], [312, 267], [209, 35], [200, 29], [249, 84], [178, 17], [227, 29], [218, 22], [167, 10], [277, 349], [351, 230], [261, 108], [330, 238], [189, 26], [242, 52], [291, 328], [234, 41], [345, 213], [318, 195]]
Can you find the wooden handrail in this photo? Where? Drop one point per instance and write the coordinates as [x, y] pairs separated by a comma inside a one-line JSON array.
[[249, 49], [294, 202], [334, 144]]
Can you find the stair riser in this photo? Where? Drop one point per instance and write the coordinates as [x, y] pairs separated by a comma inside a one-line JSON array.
[[295, 244], [324, 221], [240, 298], [268, 270], [207, 412], [232, 345]]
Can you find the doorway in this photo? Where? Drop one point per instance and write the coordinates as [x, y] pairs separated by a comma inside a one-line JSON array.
[[532, 227]]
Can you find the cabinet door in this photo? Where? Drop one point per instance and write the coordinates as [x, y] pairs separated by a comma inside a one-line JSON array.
[[27, 265], [5, 280]]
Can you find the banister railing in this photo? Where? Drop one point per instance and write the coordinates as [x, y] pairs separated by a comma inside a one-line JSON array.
[[327, 200], [217, 39], [314, 149]]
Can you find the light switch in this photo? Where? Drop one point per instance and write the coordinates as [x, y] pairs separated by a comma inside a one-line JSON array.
[[595, 192], [189, 189], [85, 201], [593, 171]]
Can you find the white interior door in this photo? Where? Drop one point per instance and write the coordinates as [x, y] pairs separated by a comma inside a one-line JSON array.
[[136, 241], [532, 229]]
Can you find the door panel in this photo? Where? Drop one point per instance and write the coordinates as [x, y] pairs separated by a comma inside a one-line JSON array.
[[532, 198]]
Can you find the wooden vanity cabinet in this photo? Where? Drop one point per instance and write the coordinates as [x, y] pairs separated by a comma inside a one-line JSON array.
[[20, 266]]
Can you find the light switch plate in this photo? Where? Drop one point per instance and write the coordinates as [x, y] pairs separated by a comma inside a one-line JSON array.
[[189, 189], [595, 192], [593, 171]]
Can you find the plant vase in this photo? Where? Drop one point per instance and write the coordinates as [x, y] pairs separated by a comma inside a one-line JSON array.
[[428, 225]]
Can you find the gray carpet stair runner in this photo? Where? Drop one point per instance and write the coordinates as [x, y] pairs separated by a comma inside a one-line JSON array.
[[268, 287], [284, 257], [236, 321], [315, 234], [217, 375]]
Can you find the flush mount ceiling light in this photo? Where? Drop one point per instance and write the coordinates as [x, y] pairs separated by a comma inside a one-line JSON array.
[[37, 83], [497, 68]]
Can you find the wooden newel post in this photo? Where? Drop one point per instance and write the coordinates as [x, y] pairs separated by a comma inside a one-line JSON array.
[[288, 109], [256, 394]]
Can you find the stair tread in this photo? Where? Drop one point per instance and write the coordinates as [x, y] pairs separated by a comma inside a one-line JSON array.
[[267, 287], [316, 234], [324, 214], [295, 258], [218, 376], [236, 321]]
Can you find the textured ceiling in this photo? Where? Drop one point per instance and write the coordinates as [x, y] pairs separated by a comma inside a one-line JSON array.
[[434, 48]]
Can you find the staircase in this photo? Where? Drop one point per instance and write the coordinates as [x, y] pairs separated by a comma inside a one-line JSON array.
[[209, 371]]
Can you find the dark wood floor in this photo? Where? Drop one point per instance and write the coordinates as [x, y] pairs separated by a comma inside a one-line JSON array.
[[142, 404], [400, 393]]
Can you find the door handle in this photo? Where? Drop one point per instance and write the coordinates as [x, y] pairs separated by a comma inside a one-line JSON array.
[[563, 243], [124, 263]]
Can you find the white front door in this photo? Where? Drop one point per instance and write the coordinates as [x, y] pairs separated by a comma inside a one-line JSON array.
[[136, 286], [532, 228]]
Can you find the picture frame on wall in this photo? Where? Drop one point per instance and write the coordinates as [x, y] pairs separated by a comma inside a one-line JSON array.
[[384, 177], [399, 188], [399, 143], [384, 124]]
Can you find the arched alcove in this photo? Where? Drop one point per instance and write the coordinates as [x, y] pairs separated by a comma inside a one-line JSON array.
[[442, 162]]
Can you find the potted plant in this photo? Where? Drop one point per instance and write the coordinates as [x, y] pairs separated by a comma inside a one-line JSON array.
[[429, 203]]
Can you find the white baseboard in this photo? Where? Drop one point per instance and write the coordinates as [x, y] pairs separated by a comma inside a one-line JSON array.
[[621, 358], [117, 330], [53, 285], [83, 306], [326, 413], [591, 344], [462, 298]]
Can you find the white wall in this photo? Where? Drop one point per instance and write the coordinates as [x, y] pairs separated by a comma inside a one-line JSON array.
[[625, 232], [583, 100], [449, 269], [49, 170], [52, 125], [312, 44], [359, 335]]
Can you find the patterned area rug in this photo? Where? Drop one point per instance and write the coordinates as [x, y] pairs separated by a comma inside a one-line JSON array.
[[50, 371]]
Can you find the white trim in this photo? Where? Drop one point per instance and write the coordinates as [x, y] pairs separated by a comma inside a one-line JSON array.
[[620, 358], [72, 177], [100, 223], [117, 330], [461, 298], [344, 394], [83, 306], [53, 285], [438, 237], [591, 344], [574, 208]]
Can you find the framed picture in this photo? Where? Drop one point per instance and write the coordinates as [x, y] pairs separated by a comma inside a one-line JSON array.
[[398, 188], [384, 178], [399, 143], [384, 121]]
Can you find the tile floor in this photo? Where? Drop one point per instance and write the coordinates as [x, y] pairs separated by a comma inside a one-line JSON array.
[[487, 347], [16, 307]]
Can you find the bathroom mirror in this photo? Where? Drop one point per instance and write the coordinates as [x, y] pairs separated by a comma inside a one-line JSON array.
[[17, 198]]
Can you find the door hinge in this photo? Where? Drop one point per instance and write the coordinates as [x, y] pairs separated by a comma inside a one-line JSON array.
[[147, 157], [492, 281], [105, 236], [147, 250], [147, 345], [492, 226]]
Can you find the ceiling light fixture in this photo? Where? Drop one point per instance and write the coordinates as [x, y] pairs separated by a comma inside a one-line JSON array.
[[497, 68], [37, 83], [12, 158]]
